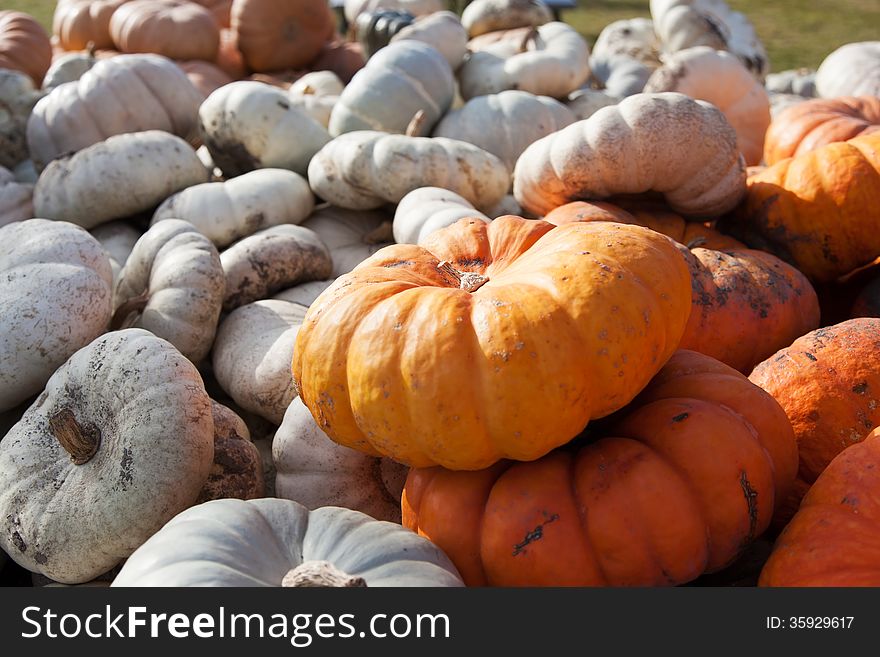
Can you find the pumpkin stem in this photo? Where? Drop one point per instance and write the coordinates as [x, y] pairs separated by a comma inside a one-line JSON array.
[[469, 281], [380, 234], [530, 37], [126, 315], [322, 574], [91, 48], [308, 90], [415, 124], [81, 441]]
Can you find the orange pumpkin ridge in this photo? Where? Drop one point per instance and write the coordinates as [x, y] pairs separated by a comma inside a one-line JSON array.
[[24, 45]]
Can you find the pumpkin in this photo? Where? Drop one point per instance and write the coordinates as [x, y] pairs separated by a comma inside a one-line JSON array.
[[354, 8], [828, 383], [303, 293], [374, 29], [505, 124], [229, 57], [552, 60], [427, 209], [250, 125], [172, 285], [500, 378], [779, 103], [271, 260], [25, 172], [228, 211], [665, 142], [237, 470], [68, 68], [178, 29], [867, 302], [677, 484], [16, 199], [400, 80], [155, 93], [118, 239], [352, 236], [683, 24], [313, 470], [583, 103], [442, 30], [633, 37], [344, 58], [271, 542], [24, 45], [365, 169], [316, 93], [482, 16], [800, 81], [220, 9], [55, 294], [145, 167], [275, 35], [817, 122], [620, 75], [76, 23], [851, 70], [718, 77], [17, 98], [133, 446], [204, 76], [812, 210], [832, 539]]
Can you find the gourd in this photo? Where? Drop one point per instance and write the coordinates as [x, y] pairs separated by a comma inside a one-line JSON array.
[[583, 103], [354, 8], [374, 29], [316, 93], [178, 29], [851, 70], [620, 75], [68, 68], [352, 236], [427, 209], [442, 30], [24, 45], [204, 76], [482, 16]]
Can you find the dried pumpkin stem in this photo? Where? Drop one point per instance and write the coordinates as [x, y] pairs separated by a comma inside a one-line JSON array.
[[91, 49], [126, 315], [81, 441], [320, 574], [380, 234], [308, 90], [469, 281], [415, 124]]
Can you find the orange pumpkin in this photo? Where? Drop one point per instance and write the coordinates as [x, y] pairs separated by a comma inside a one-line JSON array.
[[24, 45], [281, 34], [344, 58], [76, 23], [828, 382], [177, 29], [206, 77], [675, 485], [491, 341], [221, 10], [746, 304], [834, 539], [806, 126], [867, 302], [816, 211], [229, 59]]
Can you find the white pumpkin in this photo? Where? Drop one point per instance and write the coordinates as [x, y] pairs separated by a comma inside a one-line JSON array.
[[305, 293], [667, 143], [400, 80], [482, 16], [17, 99], [271, 260], [316, 93], [365, 169], [720, 78], [851, 70], [505, 124], [237, 470], [253, 353], [352, 236], [633, 37], [173, 286], [683, 24], [315, 471], [250, 125], [116, 178], [120, 441], [799, 81], [69, 67], [353, 8], [55, 292], [272, 542], [16, 198], [583, 103], [553, 62], [427, 209], [442, 30], [620, 75], [508, 205], [25, 172], [122, 94], [118, 239], [228, 211]]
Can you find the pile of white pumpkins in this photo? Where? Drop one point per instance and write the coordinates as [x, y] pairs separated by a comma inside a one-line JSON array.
[[159, 250]]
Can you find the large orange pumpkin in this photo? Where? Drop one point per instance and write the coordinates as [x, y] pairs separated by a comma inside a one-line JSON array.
[[491, 341], [834, 539], [828, 382], [867, 302], [221, 9], [806, 126], [229, 59], [177, 29], [675, 485], [280, 34], [747, 304], [345, 58], [817, 211], [24, 45], [76, 23]]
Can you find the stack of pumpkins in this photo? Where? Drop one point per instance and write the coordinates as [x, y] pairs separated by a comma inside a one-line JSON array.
[[572, 318]]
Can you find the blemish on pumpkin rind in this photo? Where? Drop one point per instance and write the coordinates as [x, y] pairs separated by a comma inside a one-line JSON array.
[[751, 496], [536, 534]]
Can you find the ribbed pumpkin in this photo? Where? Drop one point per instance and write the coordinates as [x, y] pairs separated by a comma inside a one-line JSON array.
[[834, 539], [828, 382], [24, 45], [490, 341], [747, 304], [804, 127], [816, 210], [78, 22], [677, 484], [178, 29], [221, 10]]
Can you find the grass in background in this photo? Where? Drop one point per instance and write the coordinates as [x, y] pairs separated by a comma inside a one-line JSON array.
[[796, 33]]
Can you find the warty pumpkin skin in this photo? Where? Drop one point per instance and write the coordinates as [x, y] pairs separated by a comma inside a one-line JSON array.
[[536, 330], [828, 383], [814, 210], [178, 29], [677, 484], [24, 45], [807, 126], [834, 538]]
